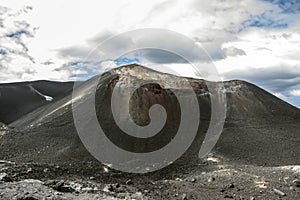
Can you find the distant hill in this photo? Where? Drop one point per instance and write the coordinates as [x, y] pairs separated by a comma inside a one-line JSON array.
[[18, 99]]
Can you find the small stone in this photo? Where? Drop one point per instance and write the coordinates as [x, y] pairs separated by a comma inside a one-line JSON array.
[[252, 198], [231, 185], [227, 196], [58, 185], [222, 190], [138, 196], [296, 183], [6, 162], [129, 182], [280, 193], [4, 177], [92, 178], [192, 180], [29, 170], [46, 170], [211, 179], [50, 183], [87, 189], [67, 188], [184, 197], [110, 188]]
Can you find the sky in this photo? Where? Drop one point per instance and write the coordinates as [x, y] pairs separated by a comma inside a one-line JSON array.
[[253, 40]]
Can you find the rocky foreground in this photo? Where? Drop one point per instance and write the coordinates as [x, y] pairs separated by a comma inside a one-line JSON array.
[[210, 179]]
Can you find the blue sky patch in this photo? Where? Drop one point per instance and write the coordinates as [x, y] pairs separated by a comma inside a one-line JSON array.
[[2, 52], [17, 34], [88, 69], [125, 61], [294, 101], [287, 6], [280, 17], [268, 19], [262, 21]]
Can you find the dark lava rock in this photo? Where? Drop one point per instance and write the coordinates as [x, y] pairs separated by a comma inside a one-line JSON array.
[[296, 183], [222, 190], [227, 196], [60, 186], [5, 177], [192, 180]]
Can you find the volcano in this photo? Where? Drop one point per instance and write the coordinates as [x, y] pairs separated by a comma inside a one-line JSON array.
[[260, 129]]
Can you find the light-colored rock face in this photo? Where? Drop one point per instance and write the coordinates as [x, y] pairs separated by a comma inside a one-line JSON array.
[[129, 76]]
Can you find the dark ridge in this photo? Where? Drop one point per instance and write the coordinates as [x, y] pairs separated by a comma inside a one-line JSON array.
[[18, 99]]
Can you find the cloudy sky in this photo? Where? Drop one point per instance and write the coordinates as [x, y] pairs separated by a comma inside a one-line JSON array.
[[253, 40]]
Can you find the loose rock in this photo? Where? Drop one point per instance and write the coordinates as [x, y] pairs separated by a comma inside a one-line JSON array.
[[129, 182], [280, 193], [5, 177], [296, 183], [211, 179], [227, 196]]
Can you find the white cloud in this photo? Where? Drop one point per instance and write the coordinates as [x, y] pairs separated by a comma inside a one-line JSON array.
[[68, 30], [264, 48], [233, 51], [295, 93], [67, 23]]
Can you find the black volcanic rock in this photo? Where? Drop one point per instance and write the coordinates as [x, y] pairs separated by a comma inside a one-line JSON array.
[[260, 128], [18, 99]]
